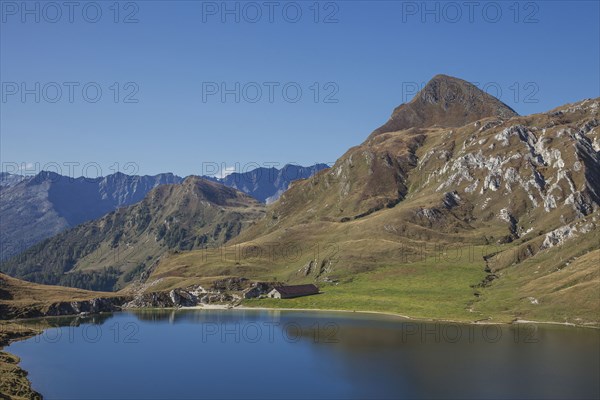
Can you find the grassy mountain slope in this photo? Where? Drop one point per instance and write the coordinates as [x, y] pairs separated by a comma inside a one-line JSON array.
[[19, 298]]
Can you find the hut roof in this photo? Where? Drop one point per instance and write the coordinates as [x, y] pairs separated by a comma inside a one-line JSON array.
[[297, 290]]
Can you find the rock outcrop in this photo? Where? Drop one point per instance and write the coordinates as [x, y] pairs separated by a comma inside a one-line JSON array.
[[169, 299], [227, 291]]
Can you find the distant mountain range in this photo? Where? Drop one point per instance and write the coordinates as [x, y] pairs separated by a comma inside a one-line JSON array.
[[33, 208], [8, 180], [268, 184], [109, 252]]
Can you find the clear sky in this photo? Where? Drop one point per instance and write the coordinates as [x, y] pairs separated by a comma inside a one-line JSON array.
[[175, 58]]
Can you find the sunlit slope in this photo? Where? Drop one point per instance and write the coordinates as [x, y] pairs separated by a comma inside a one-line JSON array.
[[403, 198]]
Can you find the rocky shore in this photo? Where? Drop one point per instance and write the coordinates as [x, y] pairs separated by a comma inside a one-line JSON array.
[[14, 383]]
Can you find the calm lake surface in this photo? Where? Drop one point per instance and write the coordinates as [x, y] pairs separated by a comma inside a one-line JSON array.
[[189, 354]]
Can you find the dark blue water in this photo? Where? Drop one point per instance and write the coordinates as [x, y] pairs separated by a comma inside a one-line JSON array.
[[269, 354]]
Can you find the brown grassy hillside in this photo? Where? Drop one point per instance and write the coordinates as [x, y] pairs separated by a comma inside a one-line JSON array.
[[425, 205]]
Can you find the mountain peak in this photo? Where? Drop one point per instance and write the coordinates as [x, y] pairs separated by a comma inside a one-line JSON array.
[[214, 192], [447, 102]]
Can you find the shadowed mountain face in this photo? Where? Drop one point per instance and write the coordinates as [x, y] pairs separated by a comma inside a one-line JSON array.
[[109, 252], [445, 102], [82, 199], [267, 184], [35, 208]]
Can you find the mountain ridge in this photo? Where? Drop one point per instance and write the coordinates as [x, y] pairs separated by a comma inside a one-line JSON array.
[[267, 184], [33, 208]]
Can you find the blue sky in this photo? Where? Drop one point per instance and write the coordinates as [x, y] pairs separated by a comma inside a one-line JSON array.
[[365, 61]]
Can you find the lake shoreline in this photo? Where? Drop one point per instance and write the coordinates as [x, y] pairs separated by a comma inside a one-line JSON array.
[[21, 331], [12, 332], [15, 382], [385, 313], [8, 322]]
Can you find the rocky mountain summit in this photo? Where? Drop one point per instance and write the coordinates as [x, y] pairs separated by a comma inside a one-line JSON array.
[[498, 164], [445, 102]]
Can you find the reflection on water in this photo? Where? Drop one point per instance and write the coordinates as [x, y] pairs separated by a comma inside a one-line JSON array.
[[284, 354]]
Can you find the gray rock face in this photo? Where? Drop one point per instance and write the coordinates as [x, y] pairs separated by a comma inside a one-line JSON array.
[[532, 163], [176, 298], [172, 299], [258, 289], [560, 235], [8, 180], [223, 291], [212, 298], [268, 184], [183, 298]]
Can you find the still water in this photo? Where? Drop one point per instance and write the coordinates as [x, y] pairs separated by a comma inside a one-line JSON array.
[[185, 354]]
